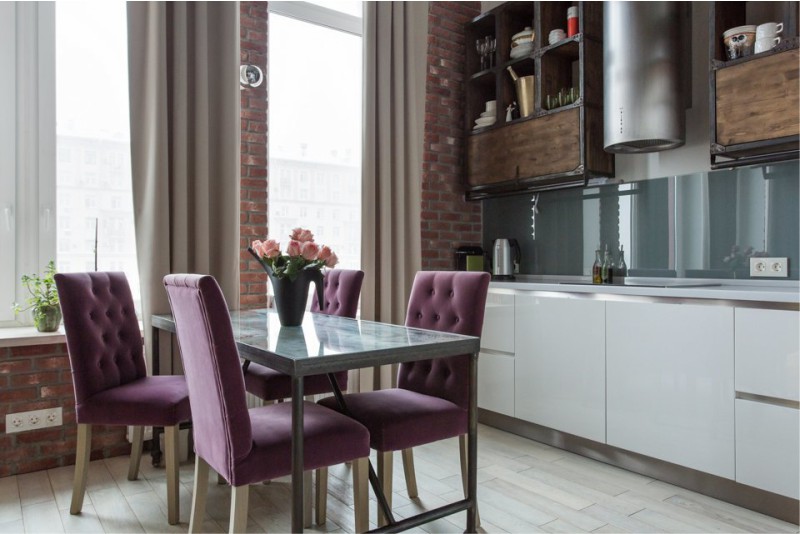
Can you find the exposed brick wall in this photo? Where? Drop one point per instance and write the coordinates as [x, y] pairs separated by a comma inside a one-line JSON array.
[[448, 221], [253, 37], [37, 377]]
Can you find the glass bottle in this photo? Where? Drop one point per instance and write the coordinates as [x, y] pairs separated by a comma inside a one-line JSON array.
[[596, 268], [607, 269], [622, 267]]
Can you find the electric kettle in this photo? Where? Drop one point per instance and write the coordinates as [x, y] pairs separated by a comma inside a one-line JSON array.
[[505, 257]]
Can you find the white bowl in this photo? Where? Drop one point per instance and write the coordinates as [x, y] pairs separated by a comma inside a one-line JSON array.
[[491, 105], [521, 51], [488, 114]]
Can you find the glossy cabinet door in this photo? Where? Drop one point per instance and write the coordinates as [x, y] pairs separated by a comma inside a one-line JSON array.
[[768, 352], [496, 382], [498, 322], [768, 447], [560, 364], [670, 383], [496, 360]]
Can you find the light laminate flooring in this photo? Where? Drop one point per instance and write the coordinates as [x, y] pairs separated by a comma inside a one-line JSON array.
[[523, 486]]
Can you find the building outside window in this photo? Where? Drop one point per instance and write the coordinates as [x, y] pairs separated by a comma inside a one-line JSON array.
[[315, 124]]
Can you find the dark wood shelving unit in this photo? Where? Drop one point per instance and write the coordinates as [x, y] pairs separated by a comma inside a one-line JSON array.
[[754, 100], [550, 149]]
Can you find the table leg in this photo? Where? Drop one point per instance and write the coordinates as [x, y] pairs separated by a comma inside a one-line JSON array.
[[155, 447], [297, 454], [472, 445], [374, 481]]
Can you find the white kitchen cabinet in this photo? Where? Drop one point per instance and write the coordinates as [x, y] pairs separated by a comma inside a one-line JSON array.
[[560, 364], [670, 383], [498, 322], [496, 383], [768, 352], [496, 360], [768, 447]]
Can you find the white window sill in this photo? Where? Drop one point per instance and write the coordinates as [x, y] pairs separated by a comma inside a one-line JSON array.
[[20, 336]]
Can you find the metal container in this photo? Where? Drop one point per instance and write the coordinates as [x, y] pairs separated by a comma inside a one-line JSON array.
[[642, 91], [525, 92], [505, 256]]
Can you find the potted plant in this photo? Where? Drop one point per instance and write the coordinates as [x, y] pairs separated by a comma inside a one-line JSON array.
[[43, 300]]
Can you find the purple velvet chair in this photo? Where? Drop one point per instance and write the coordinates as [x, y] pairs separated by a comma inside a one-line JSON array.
[[341, 288], [248, 446], [431, 400], [110, 379]]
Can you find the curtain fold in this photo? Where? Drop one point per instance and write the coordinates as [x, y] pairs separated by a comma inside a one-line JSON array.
[[183, 61], [395, 55]]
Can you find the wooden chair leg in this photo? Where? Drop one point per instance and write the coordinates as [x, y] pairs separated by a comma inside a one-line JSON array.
[[199, 494], [462, 449], [408, 470], [239, 497], [171, 445], [82, 455], [385, 459], [136, 452], [308, 493], [361, 493], [321, 499]]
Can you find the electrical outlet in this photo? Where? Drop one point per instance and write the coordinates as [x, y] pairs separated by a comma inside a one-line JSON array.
[[769, 267], [33, 420]]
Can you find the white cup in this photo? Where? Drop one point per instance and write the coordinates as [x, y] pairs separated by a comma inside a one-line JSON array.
[[766, 43], [556, 36], [768, 29], [491, 105]]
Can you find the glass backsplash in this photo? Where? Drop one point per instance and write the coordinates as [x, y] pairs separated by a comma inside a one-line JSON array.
[[702, 225]]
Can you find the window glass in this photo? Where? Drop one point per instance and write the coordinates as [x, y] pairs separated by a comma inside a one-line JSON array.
[[315, 131], [93, 173]]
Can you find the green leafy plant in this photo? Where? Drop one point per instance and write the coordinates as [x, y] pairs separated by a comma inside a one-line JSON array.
[[43, 293]]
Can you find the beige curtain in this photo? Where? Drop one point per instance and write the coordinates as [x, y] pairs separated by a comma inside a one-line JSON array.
[[395, 56], [184, 104]]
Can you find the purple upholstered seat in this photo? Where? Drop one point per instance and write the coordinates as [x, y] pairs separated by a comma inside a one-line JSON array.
[[342, 288], [431, 401], [243, 445], [106, 355]]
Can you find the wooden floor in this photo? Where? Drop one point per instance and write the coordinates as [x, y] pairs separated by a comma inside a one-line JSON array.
[[523, 487]]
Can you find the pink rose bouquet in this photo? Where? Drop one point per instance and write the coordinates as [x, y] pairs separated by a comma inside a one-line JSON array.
[[301, 253]]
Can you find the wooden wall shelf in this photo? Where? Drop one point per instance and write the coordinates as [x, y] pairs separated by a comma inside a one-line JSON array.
[[551, 148], [754, 100]]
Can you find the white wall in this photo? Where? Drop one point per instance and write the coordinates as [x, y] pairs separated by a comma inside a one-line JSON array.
[[694, 155]]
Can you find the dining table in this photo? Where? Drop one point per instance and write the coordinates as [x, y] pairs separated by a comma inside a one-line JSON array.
[[329, 344]]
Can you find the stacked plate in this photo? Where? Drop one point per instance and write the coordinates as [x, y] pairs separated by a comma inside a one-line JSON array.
[[488, 117]]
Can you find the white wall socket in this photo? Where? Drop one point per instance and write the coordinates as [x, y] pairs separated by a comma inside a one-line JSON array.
[[33, 420], [769, 267]]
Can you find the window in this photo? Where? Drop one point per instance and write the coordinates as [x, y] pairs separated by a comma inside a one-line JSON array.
[[315, 110], [92, 118]]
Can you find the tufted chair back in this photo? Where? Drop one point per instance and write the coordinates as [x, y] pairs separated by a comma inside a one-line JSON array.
[[220, 418], [341, 288], [451, 301], [103, 337]]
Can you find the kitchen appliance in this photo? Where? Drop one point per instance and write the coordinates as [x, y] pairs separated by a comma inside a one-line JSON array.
[[469, 258], [642, 64], [505, 259]]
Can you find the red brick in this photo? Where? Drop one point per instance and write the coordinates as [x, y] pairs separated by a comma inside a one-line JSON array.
[[37, 350], [16, 366], [29, 379], [55, 362], [15, 395], [37, 464], [57, 391]]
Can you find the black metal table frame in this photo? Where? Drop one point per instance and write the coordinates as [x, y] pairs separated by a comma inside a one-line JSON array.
[[468, 504]]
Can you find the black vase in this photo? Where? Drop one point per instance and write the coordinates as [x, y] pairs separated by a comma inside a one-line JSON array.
[[291, 296]]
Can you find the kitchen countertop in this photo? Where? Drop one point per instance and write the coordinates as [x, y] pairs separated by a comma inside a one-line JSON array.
[[782, 291]]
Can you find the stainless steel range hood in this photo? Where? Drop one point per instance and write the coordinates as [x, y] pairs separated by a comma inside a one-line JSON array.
[[643, 98]]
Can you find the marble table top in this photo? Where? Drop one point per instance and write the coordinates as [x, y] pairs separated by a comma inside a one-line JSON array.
[[326, 343]]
